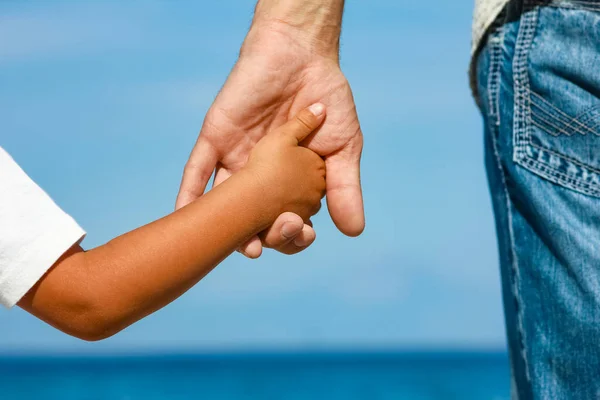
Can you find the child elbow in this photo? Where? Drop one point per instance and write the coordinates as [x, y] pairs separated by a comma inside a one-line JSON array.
[[94, 334], [93, 325]]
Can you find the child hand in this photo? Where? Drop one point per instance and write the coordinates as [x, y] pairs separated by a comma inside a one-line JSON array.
[[293, 176]]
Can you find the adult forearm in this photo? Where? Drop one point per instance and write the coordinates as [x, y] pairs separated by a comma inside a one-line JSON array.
[[316, 23], [96, 294]]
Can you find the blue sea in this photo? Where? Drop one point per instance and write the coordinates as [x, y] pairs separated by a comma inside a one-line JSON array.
[[335, 376]]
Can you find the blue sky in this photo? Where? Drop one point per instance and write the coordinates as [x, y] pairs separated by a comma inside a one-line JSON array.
[[101, 102]]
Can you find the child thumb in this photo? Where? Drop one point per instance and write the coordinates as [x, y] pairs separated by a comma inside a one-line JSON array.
[[305, 122]]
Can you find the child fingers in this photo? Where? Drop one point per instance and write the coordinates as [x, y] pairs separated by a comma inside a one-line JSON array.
[[305, 122]]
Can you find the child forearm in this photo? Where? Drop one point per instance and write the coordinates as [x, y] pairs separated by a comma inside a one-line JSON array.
[[93, 295]]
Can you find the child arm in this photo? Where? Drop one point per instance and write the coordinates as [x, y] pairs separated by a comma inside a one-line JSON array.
[[95, 294]]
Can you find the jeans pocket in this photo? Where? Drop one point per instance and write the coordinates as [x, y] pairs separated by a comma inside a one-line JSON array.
[[557, 94]]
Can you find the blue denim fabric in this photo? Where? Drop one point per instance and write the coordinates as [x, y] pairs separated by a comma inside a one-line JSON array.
[[538, 78]]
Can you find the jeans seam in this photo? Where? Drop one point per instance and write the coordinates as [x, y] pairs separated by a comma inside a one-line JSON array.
[[522, 111], [494, 82]]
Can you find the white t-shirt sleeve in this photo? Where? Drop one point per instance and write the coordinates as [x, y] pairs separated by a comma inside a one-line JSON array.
[[34, 232]]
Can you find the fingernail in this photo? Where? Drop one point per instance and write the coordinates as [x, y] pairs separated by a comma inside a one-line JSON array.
[[317, 109], [289, 230]]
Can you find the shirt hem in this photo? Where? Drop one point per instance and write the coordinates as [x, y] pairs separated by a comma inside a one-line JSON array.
[[42, 255]]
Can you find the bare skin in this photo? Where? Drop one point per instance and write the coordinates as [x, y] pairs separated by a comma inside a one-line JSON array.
[[95, 294], [289, 60]]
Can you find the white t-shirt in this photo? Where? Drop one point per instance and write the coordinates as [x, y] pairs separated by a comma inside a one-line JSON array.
[[34, 232]]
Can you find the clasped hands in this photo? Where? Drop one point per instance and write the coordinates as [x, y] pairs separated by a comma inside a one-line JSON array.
[[275, 78]]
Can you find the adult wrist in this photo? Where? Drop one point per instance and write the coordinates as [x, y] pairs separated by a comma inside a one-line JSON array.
[[312, 25]]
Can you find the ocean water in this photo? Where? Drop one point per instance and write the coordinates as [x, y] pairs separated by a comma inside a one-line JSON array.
[[347, 376]]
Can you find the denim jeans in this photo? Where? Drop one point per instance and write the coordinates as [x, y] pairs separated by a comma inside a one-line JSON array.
[[538, 79]]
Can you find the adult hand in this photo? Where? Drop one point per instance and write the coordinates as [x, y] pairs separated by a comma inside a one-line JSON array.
[[278, 74]]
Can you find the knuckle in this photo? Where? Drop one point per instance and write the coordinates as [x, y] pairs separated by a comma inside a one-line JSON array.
[[269, 243], [306, 121], [275, 242]]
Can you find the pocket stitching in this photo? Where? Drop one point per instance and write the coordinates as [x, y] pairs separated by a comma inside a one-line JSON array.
[[568, 120], [521, 78], [522, 129], [571, 160], [559, 177], [557, 128], [587, 117]]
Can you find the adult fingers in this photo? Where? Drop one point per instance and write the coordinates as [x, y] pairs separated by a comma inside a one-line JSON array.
[[284, 230], [252, 248], [306, 238], [197, 173], [288, 235]]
